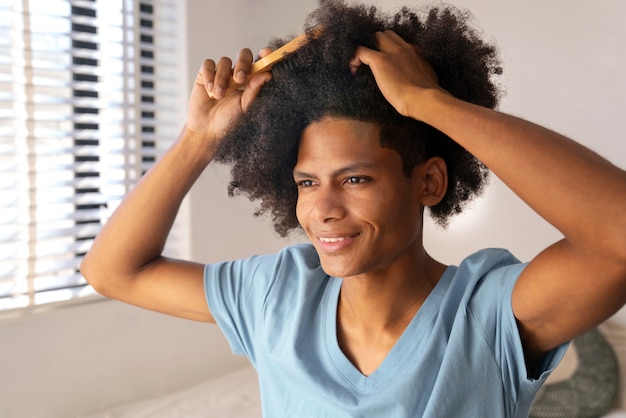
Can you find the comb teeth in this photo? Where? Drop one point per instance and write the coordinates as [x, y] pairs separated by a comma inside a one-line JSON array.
[[284, 66]]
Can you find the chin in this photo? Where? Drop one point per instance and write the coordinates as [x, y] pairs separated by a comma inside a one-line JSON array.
[[335, 269]]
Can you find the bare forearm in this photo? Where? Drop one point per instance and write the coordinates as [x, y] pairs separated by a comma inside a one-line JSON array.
[[136, 233], [574, 189]]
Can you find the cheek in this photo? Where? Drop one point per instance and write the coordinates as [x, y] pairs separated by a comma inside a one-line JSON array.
[[301, 211], [399, 212], [299, 218]]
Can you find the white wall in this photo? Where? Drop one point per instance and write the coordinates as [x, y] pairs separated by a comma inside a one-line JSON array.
[[564, 64]]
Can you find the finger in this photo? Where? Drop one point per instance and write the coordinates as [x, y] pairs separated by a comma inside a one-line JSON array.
[[394, 37], [362, 55], [254, 86], [263, 52], [242, 66], [383, 40], [222, 77], [355, 63], [388, 41], [206, 75]]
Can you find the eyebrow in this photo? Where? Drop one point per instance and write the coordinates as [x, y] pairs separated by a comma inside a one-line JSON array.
[[342, 171]]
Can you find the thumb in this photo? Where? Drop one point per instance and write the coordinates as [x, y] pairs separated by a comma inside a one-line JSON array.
[[362, 56], [252, 89]]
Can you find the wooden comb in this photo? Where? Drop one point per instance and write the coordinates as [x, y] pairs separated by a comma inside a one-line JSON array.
[[266, 63]]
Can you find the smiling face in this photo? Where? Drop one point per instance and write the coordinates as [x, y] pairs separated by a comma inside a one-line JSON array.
[[360, 211]]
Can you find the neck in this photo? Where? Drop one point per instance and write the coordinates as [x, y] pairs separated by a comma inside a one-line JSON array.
[[375, 309], [389, 299]]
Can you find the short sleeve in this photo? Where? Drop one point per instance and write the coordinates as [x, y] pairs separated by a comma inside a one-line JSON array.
[[491, 307], [248, 297], [235, 292]]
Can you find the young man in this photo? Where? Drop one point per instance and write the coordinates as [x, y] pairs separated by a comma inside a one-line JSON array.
[[375, 119]]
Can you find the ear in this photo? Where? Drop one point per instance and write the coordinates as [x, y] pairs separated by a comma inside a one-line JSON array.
[[434, 180]]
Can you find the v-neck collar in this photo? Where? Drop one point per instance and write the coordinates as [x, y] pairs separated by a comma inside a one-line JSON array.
[[407, 345]]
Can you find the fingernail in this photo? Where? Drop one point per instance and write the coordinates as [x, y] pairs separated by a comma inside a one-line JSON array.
[[241, 76], [209, 86], [218, 92]]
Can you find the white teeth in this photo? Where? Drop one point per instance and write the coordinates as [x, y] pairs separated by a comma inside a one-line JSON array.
[[332, 239]]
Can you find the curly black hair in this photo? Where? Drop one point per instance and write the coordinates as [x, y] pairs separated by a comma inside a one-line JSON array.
[[316, 82]]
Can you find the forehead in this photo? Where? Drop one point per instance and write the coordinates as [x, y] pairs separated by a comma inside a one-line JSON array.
[[334, 134], [337, 141]]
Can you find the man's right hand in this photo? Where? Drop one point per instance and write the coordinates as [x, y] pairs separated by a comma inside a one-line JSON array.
[[210, 109]]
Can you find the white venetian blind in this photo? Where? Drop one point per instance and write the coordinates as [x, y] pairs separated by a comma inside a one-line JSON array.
[[89, 98]]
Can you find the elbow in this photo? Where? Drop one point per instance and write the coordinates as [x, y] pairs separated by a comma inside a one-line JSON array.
[[89, 273], [108, 275], [609, 242], [618, 259], [95, 275], [619, 243]]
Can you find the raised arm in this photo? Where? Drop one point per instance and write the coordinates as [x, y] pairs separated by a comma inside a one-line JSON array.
[[577, 282], [125, 261]]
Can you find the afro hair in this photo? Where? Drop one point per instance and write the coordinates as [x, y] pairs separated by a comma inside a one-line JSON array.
[[316, 82]]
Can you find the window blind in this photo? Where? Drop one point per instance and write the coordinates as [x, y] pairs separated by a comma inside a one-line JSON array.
[[89, 98]]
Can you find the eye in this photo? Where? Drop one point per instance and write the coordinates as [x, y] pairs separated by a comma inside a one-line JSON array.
[[356, 180], [304, 183]]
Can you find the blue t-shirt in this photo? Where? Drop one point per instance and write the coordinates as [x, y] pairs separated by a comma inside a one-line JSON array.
[[460, 356]]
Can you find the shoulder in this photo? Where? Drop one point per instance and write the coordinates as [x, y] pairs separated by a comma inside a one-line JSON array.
[[262, 274], [490, 267], [299, 255], [483, 285], [488, 259], [480, 287]]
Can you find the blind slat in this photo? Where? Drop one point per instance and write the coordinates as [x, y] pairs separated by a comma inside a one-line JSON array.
[[81, 85]]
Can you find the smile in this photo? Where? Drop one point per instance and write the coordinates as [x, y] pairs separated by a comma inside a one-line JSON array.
[[335, 244], [333, 239]]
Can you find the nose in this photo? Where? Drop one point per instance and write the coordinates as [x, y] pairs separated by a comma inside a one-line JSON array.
[[327, 205]]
